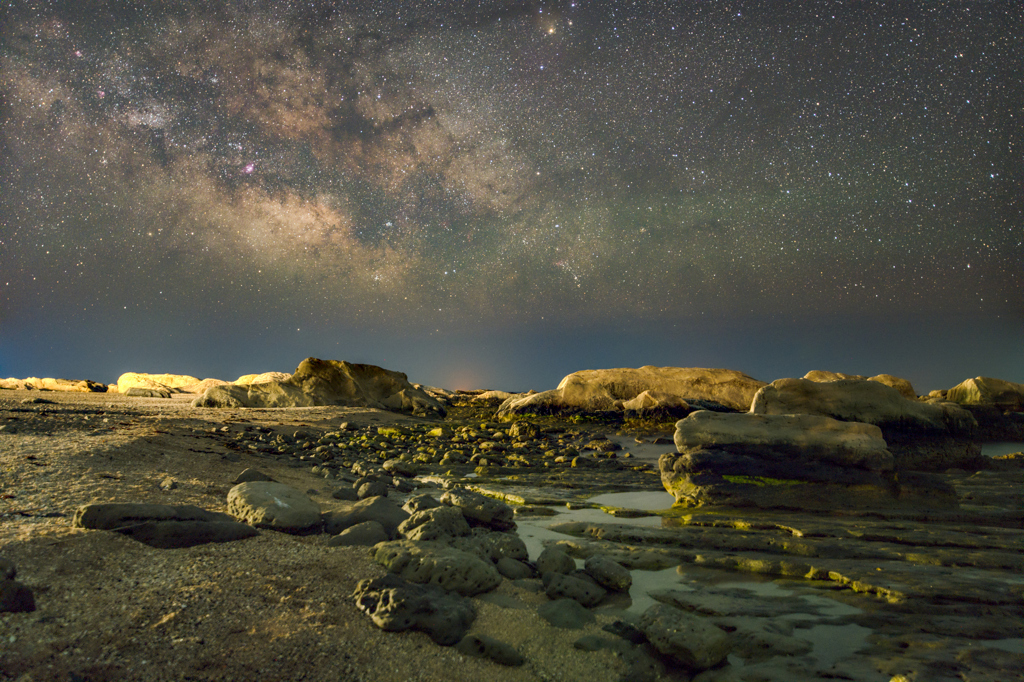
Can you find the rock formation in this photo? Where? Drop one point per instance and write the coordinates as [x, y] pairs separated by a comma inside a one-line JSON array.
[[328, 382], [617, 390], [49, 384], [922, 436], [905, 388], [794, 461], [1004, 395]]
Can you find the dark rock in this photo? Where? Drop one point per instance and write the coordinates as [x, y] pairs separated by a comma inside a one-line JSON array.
[[626, 631], [139, 392], [251, 474], [514, 570], [561, 586], [379, 509], [554, 559], [347, 494], [7, 570], [482, 646], [566, 613], [691, 641], [372, 489], [395, 605], [367, 534], [420, 503], [609, 574], [162, 526]]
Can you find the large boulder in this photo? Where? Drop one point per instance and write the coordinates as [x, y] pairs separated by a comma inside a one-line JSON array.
[[328, 382], [175, 383], [922, 436], [795, 461], [264, 378], [1004, 395], [905, 388], [276, 506], [615, 390]]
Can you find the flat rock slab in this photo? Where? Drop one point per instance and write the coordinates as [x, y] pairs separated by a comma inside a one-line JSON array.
[[276, 506], [162, 526], [482, 646], [395, 605], [566, 613]]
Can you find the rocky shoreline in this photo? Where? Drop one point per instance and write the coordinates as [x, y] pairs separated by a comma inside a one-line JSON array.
[[925, 593]]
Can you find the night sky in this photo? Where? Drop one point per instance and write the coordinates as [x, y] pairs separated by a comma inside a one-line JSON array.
[[494, 194]]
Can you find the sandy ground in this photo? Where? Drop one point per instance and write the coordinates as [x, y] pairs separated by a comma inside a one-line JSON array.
[[274, 607]]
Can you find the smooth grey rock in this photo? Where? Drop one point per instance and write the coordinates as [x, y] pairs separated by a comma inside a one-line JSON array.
[[691, 641], [251, 474], [554, 560], [367, 533], [481, 510], [609, 574], [436, 564], [395, 605], [379, 509], [566, 613], [514, 570], [266, 504], [482, 646], [561, 586], [434, 524]]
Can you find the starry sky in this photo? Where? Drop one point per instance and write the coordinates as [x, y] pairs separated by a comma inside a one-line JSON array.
[[492, 194]]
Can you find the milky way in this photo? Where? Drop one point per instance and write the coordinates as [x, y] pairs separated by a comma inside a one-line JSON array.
[[495, 164]]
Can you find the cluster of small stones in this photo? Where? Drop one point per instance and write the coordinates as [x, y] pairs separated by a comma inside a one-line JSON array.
[[398, 452]]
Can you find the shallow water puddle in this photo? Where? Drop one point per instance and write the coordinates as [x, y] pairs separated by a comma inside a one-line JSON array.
[[814, 615]]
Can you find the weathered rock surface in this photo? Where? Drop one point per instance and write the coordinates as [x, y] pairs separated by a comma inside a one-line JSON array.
[[431, 563], [395, 604], [266, 504], [566, 586], [565, 613], [689, 640], [608, 573], [905, 388], [162, 526], [264, 378], [434, 524], [608, 390], [481, 510], [380, 509], [328, 382], [1004, 395]]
